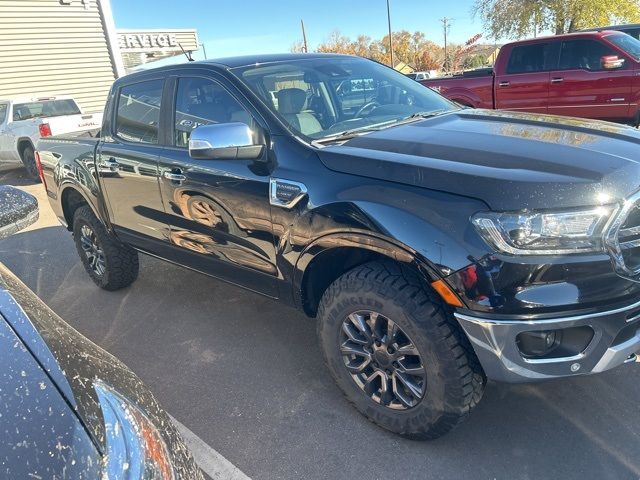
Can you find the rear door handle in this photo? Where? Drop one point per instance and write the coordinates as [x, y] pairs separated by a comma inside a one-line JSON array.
[[504, 84], [557, 80], [174, 176]]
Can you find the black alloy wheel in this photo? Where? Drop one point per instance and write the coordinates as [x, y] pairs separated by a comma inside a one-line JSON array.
[[382, 360], [397, 352], [92, 250]]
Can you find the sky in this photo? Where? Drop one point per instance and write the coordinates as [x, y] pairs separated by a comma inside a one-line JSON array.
[[239, 27]]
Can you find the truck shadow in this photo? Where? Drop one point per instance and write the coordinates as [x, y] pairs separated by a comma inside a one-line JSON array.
[[16, 176], [246, 375]]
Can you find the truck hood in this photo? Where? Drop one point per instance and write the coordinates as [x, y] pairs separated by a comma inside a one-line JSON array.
[[75, 365], [511, 161]]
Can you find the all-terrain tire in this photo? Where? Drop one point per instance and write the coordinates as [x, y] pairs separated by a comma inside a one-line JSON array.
[[454, 379], [120, 262], [29, 161]]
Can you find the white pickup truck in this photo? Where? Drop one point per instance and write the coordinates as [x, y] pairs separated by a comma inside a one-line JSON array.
[[24, 120]]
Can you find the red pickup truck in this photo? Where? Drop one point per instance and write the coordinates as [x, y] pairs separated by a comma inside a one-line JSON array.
[[587, 74]]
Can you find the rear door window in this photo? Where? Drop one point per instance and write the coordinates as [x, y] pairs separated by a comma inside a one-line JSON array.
[[138, 116], [529, 58], [200, 101], [583, 55]]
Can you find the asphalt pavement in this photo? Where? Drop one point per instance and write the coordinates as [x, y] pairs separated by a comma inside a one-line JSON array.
[[245, 375]]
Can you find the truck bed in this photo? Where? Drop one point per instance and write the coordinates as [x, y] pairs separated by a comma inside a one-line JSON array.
[[472, 89], [68, 149]]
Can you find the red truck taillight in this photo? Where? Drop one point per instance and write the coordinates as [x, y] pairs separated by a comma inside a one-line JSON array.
[[45, 130], [40, 170]]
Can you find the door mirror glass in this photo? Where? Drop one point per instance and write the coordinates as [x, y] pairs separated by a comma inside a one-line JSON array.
[[18, 210], [224, 141], [612, 62]]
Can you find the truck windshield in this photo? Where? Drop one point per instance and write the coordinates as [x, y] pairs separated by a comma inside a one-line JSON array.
[[627, 43], [44, 109], [323, 97]]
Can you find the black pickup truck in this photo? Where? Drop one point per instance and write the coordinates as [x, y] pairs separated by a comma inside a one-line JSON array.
[[436, 246]]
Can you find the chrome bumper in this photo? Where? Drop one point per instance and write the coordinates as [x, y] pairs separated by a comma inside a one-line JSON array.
[[494, 341]]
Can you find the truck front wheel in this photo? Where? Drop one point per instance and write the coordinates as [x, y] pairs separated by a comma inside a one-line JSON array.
[[29, 161], [110, 264], [397, 353]]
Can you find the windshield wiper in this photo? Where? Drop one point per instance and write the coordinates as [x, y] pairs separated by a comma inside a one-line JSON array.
[[432, 113], [348, 134]]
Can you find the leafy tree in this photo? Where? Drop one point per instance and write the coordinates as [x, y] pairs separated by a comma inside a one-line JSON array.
[[411, 48], [462, 51], [520, 18], [336, 43], [474, 61]]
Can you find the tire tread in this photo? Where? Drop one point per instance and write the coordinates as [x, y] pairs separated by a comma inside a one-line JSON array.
[[121, 260], [402, 286]]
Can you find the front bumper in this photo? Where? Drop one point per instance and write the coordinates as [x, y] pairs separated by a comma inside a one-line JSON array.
[[616, 340]]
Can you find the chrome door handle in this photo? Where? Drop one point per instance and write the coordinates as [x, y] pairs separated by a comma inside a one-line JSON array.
[[504, 84], [557, 80], [174, 177], [111, 164]]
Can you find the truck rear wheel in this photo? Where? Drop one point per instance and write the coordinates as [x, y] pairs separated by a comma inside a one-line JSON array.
[[110, 264], [29, 161], [397, 353]]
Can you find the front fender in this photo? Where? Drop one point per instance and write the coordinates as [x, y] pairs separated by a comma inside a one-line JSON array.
[[428, 229]]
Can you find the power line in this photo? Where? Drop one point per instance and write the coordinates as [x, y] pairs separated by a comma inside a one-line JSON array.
[[446, 26]]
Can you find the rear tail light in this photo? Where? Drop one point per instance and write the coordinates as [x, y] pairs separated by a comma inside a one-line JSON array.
[[40, 170], [45, 130]]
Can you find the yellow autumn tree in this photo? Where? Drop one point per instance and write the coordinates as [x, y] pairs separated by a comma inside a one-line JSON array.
[[521, 18]]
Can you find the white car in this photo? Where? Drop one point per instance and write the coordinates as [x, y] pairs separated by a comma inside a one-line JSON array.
[[417, 76], [25, 120]]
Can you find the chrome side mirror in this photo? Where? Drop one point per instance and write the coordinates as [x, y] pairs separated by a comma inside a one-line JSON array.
[[224, 141], [18, 210]]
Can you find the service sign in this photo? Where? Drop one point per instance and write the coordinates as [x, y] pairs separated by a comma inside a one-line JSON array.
[[150, 41], [147, 40]]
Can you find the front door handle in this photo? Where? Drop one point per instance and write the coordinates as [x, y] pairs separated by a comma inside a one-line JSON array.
[[504, 84], [557, 80], [174, 176], [110, 164]]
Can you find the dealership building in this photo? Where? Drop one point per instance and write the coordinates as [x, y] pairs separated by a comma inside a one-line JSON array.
[[71, 47]]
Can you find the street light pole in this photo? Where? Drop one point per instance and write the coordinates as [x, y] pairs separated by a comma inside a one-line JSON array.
[[390, 34], [204, 50]]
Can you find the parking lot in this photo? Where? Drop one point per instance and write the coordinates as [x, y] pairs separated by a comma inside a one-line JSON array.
[[245, 374]]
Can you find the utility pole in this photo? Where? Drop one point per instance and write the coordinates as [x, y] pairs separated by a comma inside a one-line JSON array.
[[304, 37], [390, 34], [446, 25]]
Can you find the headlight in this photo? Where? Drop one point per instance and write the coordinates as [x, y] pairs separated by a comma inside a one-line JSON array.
[[135, 449], [544, 233]]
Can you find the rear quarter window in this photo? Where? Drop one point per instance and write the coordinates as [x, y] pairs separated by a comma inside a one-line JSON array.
[[138, 114]]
